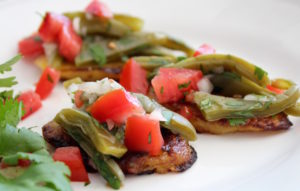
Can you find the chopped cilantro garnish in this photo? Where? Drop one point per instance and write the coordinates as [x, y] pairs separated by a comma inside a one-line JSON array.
[[161, 90], [98, 54], [49, 78], [149, 138], [37, 39], [184, 85]]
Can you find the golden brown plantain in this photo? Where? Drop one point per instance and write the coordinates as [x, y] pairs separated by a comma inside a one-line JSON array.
[[272, 123], [176, 156], [90, 72]]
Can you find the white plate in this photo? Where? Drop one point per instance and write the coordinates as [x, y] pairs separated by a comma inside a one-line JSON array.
[[263, 32]]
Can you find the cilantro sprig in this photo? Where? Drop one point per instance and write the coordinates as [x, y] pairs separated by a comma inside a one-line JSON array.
[[43, 174]]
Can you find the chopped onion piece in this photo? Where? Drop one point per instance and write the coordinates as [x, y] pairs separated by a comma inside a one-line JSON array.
[[110, 124], [76, 24], [50, 50], [205, 85]]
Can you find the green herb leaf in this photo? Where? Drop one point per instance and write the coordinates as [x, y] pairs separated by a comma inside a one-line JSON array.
[[98, 54], [49, 78], [237, 122], [259, 72], [149, 138], [161, 90], [10, 113], [37, 39], [5, 67], [43, 173], [7, 82], [184, 85]]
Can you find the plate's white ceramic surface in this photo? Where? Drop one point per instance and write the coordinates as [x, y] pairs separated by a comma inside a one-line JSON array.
[[263, 32]]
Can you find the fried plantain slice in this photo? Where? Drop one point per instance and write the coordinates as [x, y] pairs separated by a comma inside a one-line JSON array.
[[176, 156], [272, 123]]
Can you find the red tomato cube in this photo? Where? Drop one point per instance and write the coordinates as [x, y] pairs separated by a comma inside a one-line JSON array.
[[275, 90], [31, 46], [51, 26], [99, 9], [47, 82], [134, 78], [171, 83], [71, 156], [117, 106], [143, 134], [31, 102], [69, 43]]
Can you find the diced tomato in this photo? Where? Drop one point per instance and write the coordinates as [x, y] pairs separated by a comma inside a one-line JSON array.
[[204, 49], [51, 26], [186, 112], [21, 163], [31, 102], [47, 82], [117, 106], [99, 9], [275, 90], [171, 84], [58, 28], [143, 134], [69, 43], [71, 156], [31, 46], [134, 78], [77, 98], [24, 162]]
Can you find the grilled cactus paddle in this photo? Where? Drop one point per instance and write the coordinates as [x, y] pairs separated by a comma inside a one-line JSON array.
[[74, 123]]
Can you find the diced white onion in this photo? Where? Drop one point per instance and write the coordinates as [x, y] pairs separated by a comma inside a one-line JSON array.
[[76, 24], [110, 124], [50, 50], [205, 85]]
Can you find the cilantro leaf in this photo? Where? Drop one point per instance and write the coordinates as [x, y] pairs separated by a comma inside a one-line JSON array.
[[5, 67], [13, 140], [149, 138], [36, 157], [39, 177], [10, 112], [98, 54], [7, 82], [43, 173], [184, 85]]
